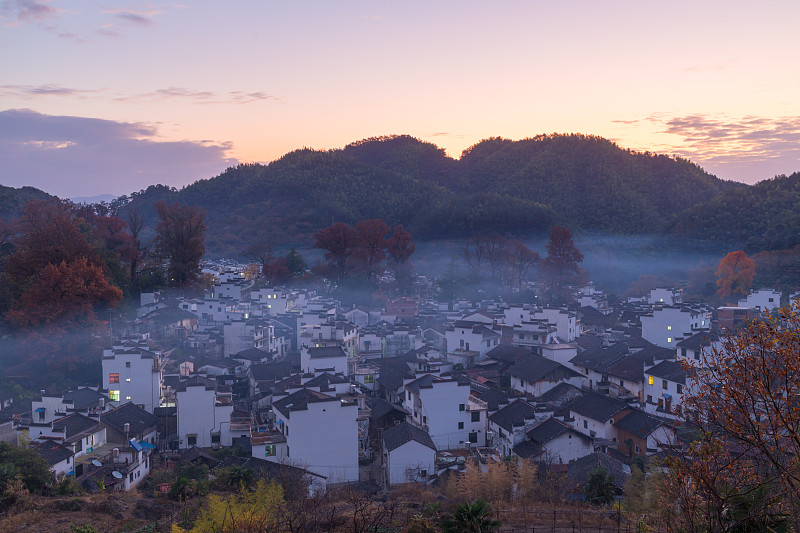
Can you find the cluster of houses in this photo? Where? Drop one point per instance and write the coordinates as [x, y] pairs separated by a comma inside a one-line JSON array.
[[396, 394]]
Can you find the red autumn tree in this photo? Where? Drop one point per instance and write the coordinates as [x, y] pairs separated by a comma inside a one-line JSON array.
[[66, 293], [340, 243], [735, 274], [400, 248], [371, 241], [179, 241]]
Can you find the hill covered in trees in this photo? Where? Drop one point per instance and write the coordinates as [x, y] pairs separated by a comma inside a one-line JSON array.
[[13, 200], [513, 187]]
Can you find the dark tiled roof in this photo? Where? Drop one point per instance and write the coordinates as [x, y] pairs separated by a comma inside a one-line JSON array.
[[508, 353], [298, 401], [600, 359], [493, 398], [597, 407], [270, 371], [391, 378], [514, 415], [325, 380], [19, 407], [639, 423], [169, 315], [196, 381], [326, 351], [139, 419], [698, 341], [548, 430], [630, 368], [400, 434], [527, 449], [669, 370], [380, 408], [251, 354], [75, 424], [560, 395], [652, 354], [265, 469], [52, 452], [536, 368], [84, 398], [589, 342], [578, 470]]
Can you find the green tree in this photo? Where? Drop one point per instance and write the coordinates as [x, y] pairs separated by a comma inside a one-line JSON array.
[[599, 487], [472, 517], [295, 263]]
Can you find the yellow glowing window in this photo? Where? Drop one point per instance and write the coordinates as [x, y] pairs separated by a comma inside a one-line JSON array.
[[669, 328], [128, 380], [114, 395], [649, 380], [669, 339]]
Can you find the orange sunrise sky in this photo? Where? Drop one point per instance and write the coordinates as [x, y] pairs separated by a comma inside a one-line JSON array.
[[109, 97]]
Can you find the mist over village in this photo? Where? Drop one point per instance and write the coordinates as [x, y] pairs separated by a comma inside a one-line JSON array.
[[399, 268]]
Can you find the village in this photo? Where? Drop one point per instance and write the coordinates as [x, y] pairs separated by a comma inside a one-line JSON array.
[[405, 393]]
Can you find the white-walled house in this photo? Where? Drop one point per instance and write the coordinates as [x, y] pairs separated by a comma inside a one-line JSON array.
[[508, 425], [83, 400], [321, 433], [536, 375], [666, 326], [594, 415], [554, 441], [566, 322], [59, 457], [691, 349], [439, 405], [666, 296], [664, 386], [766, 300], [468, 342], [409, 454], [204, 414], [133, 374], [324, 359]]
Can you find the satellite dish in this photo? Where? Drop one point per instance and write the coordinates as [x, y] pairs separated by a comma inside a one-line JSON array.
[[97, 463], [116, 474]]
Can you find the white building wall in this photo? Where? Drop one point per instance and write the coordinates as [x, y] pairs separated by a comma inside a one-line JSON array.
[[323, 439], [764, 299], [197, 415], [667, 326], [568, 447], [566, 323], [407, 463], [441, 410], [139, 379]]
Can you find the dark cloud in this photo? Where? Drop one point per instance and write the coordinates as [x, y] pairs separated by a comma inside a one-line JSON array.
[[201, 97], [76, 156], [32, 91], [134, 18], [746, 148], [16, 11]]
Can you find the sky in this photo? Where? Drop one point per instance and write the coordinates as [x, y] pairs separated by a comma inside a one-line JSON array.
[[100, 97]]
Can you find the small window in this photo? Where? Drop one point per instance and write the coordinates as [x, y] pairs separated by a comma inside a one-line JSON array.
[[113, 395], [680, 388], [649, 380], [127, 380], [461, 425], [649, 398], [669, 340], [585, 425], [215, 438], [636, 448], [476, 416], [191, 440], [664, 384], [683, 352], [473, 437], [461, 407], [270, 451], [424, 419], [127, 364], [369, 378], [113, 378]]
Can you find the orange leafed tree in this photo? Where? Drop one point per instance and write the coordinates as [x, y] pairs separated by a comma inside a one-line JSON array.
[[735, 274], [744, 464]]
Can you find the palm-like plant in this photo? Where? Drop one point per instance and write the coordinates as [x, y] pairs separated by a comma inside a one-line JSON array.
[[472, 517]]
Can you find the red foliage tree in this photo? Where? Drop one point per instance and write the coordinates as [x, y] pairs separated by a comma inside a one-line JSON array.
[[400, 248], [371, 245], [521, 260], [561, 263], [735, 274], [340, 243], [66, 293]]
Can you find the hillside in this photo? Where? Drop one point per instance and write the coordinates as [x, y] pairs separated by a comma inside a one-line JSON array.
[[12, 200], [513, 187]]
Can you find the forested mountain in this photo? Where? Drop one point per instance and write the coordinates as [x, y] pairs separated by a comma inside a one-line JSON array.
[[765, 216], [520, 188], [12, 200]]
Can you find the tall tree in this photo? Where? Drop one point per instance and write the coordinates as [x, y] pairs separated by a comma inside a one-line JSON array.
[[743, 408], [340, 243], [521, 260], [371, 248], [179, 241], [400, 248], [562, 261], [295, 263], [735, 274]]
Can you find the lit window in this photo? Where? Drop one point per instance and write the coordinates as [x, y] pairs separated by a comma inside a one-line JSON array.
[[669, 339], [114, 395], [113, 378], [128, 380], [669, 328], [127, 397], [269, 450], [649, 380]]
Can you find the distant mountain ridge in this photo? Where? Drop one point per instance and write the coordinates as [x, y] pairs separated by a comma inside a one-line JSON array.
[[520, 188]]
